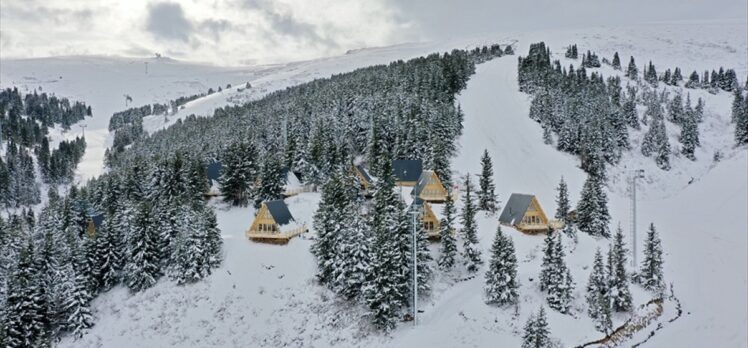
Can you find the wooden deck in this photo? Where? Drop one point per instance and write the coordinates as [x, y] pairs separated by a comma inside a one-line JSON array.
[[275, 238]]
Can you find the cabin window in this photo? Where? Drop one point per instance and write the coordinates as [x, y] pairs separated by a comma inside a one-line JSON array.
[[428, 225]]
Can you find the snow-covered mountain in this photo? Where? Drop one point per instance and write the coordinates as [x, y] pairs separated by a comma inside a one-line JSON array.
[[265, 295]]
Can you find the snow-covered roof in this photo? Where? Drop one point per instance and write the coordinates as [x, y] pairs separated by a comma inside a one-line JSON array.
[[515, 208], [423, 180], [364, 172]]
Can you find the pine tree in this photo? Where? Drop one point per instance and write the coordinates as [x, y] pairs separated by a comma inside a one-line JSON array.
[[616, 61], [501, 278], [239, 170], [592, 209], [536, 332], [632, 72], [386, 288], [25, 314], [560, 283], [650, 274], [272, 180], [693, 80], [598, 295], [353, 256], [471, 253], [656, 142], [328, 225], [190, 262], [486, 196], [562, 201], [142, 270], [446, 235], [110, 248], [741, 125], [618, 279], [79, 317], [213, 240], [689, 136]]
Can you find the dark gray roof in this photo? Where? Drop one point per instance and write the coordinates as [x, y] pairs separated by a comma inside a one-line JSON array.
[[515, 208], [214, 170], [97, 219], [279, 210], [364, 172], [407, 170]]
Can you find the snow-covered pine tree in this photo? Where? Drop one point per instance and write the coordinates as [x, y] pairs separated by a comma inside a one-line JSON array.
[[689, 135], [272, 180], [616, 61], [239, 170], [618, 281], [632, 72], [546, 267], [446, 235], [656, 142], [353, 253], [598, 295], [592, 209], [186, 261], [650, 274], [142, 269], [110, 249], [386, 288], [25, 307], [486, 195], [536, 332], [560, 282], [563, 206], [328, 225], [502, 284], [471, 253], [77, 308], [213, 241]]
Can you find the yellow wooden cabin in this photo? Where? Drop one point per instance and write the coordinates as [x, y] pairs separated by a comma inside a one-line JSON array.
[[94, 222], [430, 220], [274, 224], [524, 213], [430, 188]]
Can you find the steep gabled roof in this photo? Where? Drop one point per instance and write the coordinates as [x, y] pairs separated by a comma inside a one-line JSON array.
[[422, 182], [279, 210], [515, 208], [98, 220], [407, 170], [214, 170], [364, 173]]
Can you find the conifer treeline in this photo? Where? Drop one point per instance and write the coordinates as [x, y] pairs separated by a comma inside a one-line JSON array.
[[155, 223], [404, 108]]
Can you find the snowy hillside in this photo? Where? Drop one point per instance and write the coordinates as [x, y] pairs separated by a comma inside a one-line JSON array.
[[266, 295]]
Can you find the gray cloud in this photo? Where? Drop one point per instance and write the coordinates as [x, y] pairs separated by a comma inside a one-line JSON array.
[[44, 14], [166, 20], [215, 27]]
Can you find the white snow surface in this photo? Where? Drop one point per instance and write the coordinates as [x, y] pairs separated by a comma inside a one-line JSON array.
[[266, 296]]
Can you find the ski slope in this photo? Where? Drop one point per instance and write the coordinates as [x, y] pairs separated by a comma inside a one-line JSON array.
[[265, 295]]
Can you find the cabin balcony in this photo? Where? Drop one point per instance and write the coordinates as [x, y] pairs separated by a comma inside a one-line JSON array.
[[532, 228], [275, 237]]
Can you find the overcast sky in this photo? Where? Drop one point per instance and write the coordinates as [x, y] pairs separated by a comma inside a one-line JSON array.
[[237, 32]]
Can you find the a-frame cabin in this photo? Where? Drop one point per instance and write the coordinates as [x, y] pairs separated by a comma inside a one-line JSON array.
[[429, 219], [363, 176], [93, 224], [430, 188], [524, 213], [407, 172], [274, 224]]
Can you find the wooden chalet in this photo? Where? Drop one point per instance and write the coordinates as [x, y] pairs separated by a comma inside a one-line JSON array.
[[430, 188], [274, 224], [213, 171], [363, 176], [93, 224], [293, 186], [430, 220], [407, 172], [524, 213]]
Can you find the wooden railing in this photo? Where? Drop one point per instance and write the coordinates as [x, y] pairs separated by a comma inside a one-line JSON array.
[[296, 190]]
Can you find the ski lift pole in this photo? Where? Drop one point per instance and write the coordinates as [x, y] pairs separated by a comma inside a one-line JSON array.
[[636, 174], [415, 270]]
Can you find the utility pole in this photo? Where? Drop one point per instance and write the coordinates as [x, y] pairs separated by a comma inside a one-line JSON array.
[[83, 128], [636, 174], [415, 269]]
